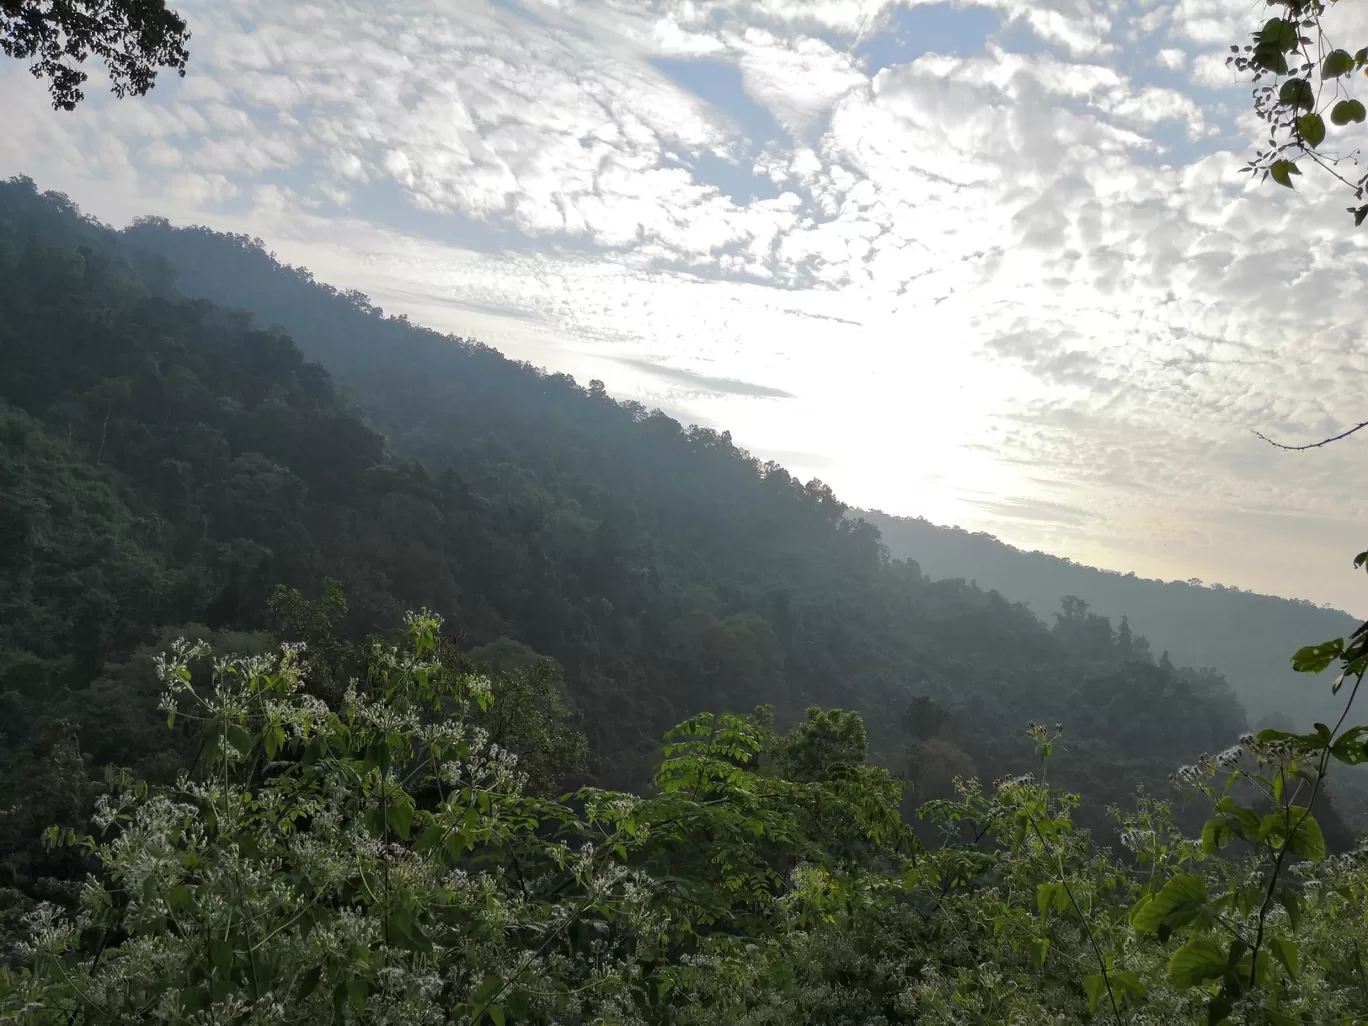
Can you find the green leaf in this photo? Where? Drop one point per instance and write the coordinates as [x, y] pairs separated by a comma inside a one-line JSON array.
[[308, 983], [1096, 988], [1307, 839], [357, 993], [1176, 904], [239, 738], [221, 954], [178, 897], [1124, 979], [1312, 658], [1343, 113], [195, 999], [1285, 951], [400, 818], [496, 1015], [1351, 748], [1196, 962], [1312, 129], [1279, 34], [489, 986], [1281, 170], [1337, 63], [1215, 833], [1271, 59], [1291, 901], [272, 739], [1297, 92]]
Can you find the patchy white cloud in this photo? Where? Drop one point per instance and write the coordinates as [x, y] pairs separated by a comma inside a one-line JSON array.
[[1173, 58], [969, 260]]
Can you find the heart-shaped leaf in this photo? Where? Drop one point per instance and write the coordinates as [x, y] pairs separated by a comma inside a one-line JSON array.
[[1312, 129], [1337, 63], [1348, 111]]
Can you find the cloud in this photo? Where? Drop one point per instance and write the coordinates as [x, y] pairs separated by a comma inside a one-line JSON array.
[[705, 382], [1034, 509], [1023, 254]]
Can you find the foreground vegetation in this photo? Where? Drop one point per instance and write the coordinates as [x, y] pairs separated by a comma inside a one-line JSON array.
[[365, 826], [372, 855], [165, 463]]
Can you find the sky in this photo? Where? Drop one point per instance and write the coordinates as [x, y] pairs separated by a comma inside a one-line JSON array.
[[989, 263]]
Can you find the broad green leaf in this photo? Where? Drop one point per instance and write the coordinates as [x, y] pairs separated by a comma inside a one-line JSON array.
[[1297, 92], [221, 954], [1343, 113], [1311, 658], [496, 1015], [1351, 747], [308, 983], [1176, 904], [1285, 951], [1278, 33], [178, 897], [1096, 988], [489, 986], [1337, 63], [1271, 59], [239, 738], [1218, 1008], [1282, 170], [1307, 839], [400, 818], [1124, 979], [1196, 962], [1312, 129], [1215, 833]]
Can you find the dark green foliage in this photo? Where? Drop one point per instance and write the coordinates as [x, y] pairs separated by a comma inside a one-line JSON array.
[[134, 38], [184, 463], [1246, 635], [668, 571]]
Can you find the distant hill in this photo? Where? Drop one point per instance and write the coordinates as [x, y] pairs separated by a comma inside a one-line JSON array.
[[1247, 637], [166, 461]]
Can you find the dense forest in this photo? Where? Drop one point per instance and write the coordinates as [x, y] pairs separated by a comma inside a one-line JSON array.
[[199, 443], [1246, 635]]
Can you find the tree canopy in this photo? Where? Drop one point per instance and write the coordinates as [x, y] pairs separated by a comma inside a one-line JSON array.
[[1305, 92], [134, 39]]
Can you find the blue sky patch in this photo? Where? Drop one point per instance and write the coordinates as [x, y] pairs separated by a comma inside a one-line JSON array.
[[928, 28]]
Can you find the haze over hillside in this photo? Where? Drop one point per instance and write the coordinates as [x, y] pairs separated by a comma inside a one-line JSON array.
[[1248, 637]]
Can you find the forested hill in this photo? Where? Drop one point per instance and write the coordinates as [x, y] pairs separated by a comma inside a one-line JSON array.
[[1248, 636], [166, 463]]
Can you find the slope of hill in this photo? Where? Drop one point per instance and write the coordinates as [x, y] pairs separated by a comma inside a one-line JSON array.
[[167, 462], [1248, 637]]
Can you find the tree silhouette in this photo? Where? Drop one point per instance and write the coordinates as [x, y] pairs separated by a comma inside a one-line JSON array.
[[134, 38]]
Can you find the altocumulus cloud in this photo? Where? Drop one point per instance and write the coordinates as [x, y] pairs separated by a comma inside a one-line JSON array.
[[963, 249]]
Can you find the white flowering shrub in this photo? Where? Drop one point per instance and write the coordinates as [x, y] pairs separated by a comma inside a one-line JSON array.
[[382, 862]]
